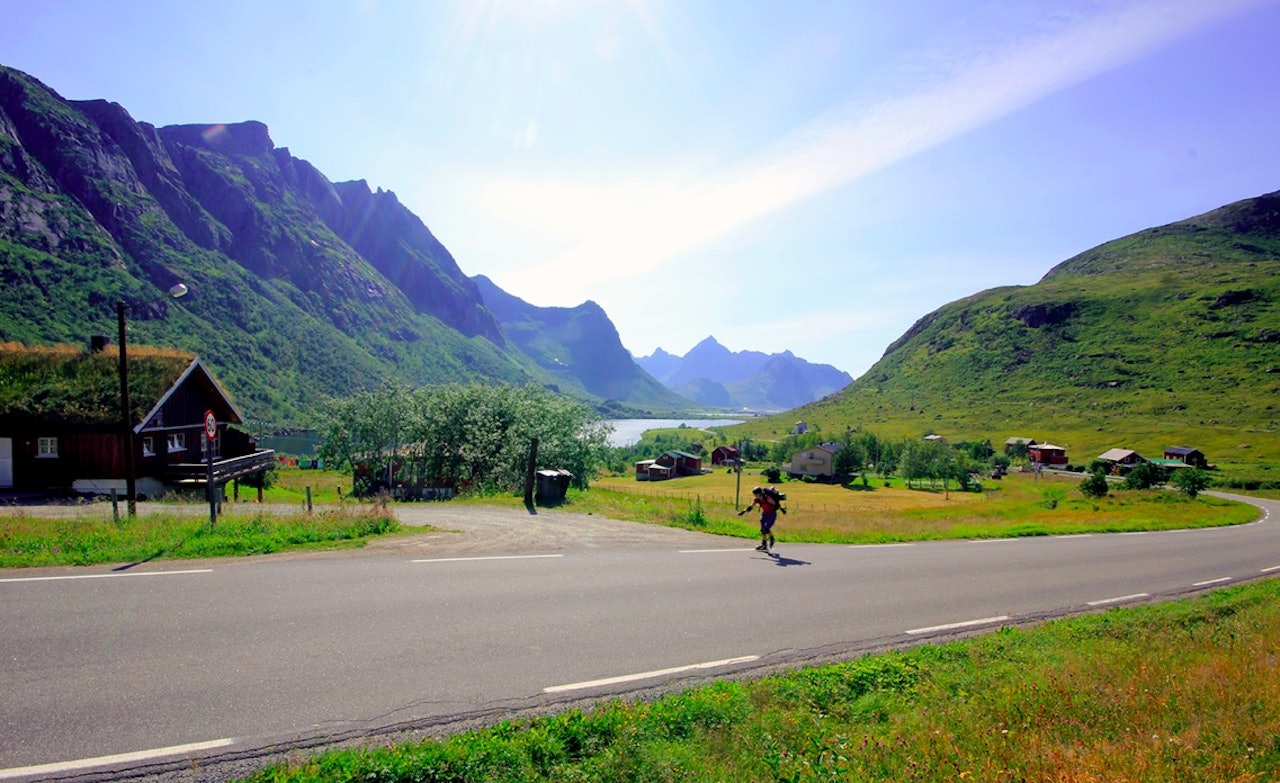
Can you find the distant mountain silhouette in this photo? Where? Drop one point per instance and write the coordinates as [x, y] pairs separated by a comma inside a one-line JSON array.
[[713, 375]]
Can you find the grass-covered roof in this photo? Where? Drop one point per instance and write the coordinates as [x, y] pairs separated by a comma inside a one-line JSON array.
[[71, 385]]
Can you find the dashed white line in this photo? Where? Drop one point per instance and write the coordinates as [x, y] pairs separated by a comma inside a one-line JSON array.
[[712, 551], [1269, 570], [1075, 535], [577, 686], [877, 546], [120, 758], [993, 540], [485, 557], [1120, 599], [105, 576], [964, 624], [1208, 582]]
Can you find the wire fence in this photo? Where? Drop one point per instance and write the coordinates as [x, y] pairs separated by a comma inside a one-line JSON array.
[[712, 497]]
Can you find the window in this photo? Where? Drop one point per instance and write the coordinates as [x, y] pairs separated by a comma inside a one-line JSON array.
[[204, 448], [48, 447], [177, 441], [148, 446]]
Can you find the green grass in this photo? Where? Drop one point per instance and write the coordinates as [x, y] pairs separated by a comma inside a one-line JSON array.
[[1183, 691], [1019, 505], [27, 541]]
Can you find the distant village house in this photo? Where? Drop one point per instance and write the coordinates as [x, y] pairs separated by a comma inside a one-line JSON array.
[[1187, 456], [669, 465], [816, 462], [1121, 459], [724, 455], [1047, 454]]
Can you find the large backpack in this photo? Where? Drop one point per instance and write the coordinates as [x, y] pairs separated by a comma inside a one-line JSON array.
[[777, 496]]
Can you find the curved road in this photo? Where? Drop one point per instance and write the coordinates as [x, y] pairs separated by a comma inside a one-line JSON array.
[[202, 670]]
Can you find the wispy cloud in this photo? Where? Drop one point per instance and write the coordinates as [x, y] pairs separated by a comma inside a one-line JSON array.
[[618, 231]]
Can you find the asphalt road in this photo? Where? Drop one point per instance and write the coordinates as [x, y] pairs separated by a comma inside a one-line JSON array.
[[200, 670]]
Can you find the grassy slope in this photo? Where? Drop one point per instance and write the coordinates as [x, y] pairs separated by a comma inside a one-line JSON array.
[[1169, 337]]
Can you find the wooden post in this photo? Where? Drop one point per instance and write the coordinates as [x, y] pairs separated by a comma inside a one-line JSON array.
[[528, 479]]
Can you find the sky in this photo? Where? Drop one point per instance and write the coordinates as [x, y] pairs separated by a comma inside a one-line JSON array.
[[812, 176]]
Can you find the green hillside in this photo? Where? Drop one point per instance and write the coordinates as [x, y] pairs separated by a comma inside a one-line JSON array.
[[1167, 337]]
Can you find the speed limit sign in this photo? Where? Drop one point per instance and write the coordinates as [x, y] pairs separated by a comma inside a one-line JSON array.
[[210, 425]]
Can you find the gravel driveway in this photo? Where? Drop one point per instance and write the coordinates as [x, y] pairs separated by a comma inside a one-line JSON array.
[[460, 529], [482, 529]]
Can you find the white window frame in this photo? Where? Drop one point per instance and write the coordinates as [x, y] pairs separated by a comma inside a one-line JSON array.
[[47, 447], [148, 446], [177, 441]]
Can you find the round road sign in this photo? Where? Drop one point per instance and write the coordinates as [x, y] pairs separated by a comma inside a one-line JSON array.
[[210, 425]]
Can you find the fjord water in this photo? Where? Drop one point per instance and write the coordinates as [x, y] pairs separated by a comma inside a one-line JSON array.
[[627, 432]]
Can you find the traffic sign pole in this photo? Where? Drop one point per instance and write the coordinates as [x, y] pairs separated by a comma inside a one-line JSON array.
[[211, 436]]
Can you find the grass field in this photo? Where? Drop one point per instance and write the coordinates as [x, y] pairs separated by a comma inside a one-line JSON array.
[[1018, 505]]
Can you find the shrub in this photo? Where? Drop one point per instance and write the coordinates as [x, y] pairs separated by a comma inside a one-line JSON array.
[[1095, 486], [1190, 481]]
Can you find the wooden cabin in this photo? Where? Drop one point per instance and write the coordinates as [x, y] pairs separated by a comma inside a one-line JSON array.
[[62, 431]]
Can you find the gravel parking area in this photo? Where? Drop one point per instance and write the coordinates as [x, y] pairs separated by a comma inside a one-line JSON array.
[[462, 529], [479, 529]]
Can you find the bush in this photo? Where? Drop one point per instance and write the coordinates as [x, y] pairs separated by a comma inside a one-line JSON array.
[[1143, 476], [1191, 481], [1095, 486]]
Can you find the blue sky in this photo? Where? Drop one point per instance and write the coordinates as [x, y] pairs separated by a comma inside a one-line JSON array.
[[809, 175]]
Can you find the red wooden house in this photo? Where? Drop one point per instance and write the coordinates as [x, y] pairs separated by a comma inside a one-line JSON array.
[[724, 455], [1047, 454], [680, 463]]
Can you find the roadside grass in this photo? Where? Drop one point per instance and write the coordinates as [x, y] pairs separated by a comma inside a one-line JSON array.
[[177, 533], [1019, 505], [818, 513], [1180, 691]]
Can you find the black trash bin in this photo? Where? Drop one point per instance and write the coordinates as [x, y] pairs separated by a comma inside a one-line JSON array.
[[551, 487]]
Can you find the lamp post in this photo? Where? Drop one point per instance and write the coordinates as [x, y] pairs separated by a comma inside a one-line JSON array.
[[126, 423]]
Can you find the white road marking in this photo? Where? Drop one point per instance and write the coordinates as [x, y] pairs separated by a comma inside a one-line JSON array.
[[105, 576], [487, 557], [993, 540], [877, 546], [1075, 535], [965, 624], [1269, 570], [1119, 599], [577, 686], [1219, 580], [711, 551], [120, 758]]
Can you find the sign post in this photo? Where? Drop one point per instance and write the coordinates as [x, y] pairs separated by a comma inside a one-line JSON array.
[[211, 436]]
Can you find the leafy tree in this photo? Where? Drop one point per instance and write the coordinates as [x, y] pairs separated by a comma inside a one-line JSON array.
[[473, 436], [1143, 476], [1191, 481], [1095, 486], [848, 460]]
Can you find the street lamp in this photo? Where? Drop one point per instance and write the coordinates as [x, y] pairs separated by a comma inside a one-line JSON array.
[[130, 483]]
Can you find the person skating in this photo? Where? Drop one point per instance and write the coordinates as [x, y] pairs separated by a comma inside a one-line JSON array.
[[769, 504]]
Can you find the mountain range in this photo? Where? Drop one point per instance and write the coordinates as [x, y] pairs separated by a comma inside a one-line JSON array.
[[301, 289], [713, 375]]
